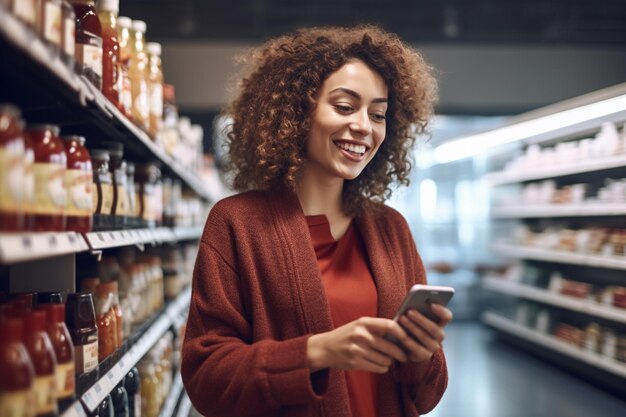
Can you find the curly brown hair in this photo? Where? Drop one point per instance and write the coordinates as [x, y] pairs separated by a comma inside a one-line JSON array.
[[272, 109]]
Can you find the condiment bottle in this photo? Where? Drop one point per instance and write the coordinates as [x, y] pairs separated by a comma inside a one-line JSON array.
[[79, 185], [170, 135], [27, 11], [119, 397], [64, 351], [50, 297], [148, 177], [44, 360], [51, 24], [12, 167], [17, 370], [139, 75], [118, 174], [68, 34], [132, 209], [106, 407], [149, 389], [107, 13], [88, 41], [80, 318], [155, 89], [29, 184], [113, 289], [49, 168], [132, 383], [106, 321], [125, 41], [103, 197]]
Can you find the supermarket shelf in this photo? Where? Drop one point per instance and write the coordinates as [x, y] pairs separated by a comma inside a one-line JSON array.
[[74, 93], [76, 410], [96, 394], [598, 361], [544, 296], [553, 210], [563, 257], [172, 397], [19, 247], [537, 173], [185, 406], [188, 233]]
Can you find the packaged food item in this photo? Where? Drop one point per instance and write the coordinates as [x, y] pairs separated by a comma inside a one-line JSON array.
[[79, 185], [80, 318], [619, 297], [117, 167], [88, 41], [133, 389], [48, 297], [138, 75], [105, 409], [106, 320], [51, 24], [170, 136], [12, 169], [27, 11], [107, 13], [68, 34], [155, 89], [125, 42], [50, 165], [593, 334], [132, 219], [29, 184], [119, 398], [103, 196], [570, 334], [17, 370], [148, 177], [64, 351], [149, 389]]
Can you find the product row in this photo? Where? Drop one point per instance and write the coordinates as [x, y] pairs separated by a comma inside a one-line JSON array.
[[56, 183], [609, 141], [589, 336], [613, 191], [555, 282], [592, 240], [111, 52]]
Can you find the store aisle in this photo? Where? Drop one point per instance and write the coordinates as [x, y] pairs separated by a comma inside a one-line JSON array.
[[490, 378]]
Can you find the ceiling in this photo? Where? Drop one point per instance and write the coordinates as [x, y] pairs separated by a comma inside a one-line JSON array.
[[598, 22]]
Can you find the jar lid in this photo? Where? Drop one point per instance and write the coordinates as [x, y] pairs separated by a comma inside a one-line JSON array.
[[154, 48], [79, 307], [49, 298], [124, 21], [100, 154], [11, 110], [139, 26], [78, 138], [44, 127], [109, 5]]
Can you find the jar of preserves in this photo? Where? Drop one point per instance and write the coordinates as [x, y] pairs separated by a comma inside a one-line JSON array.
[[103, 196], [107, 13], [155, 89], [124, 38], [17, 370], [118, 174], [139, 76], [51, 24], [79, 185], [49, 168], [68, 35], [64, 351], [12, 166], [80, 317], [88, 41]]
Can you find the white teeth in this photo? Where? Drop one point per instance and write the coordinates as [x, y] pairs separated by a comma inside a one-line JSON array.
[[360, 149]]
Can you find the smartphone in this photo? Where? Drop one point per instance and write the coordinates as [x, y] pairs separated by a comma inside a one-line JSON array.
[[419, 298]]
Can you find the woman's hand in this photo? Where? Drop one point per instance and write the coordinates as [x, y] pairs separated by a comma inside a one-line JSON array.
[[358, 345], [427, 335]]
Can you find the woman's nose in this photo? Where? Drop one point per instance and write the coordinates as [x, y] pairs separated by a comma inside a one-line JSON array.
[[361, 123]]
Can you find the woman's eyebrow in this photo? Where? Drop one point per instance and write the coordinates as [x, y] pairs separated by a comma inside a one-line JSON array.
[[357, 95]]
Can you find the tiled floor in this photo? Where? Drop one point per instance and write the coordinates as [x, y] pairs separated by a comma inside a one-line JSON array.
[[490, 378]]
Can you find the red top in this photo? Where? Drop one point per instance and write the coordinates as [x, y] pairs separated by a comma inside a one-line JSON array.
[[351, 294]]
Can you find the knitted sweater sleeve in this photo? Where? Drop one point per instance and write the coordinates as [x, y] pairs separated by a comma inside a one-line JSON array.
[[224, 373]]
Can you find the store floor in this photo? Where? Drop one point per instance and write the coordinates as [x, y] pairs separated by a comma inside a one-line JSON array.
[[491, 378]]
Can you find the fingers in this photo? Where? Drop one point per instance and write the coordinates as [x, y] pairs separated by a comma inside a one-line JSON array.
[[372, 333], [444, 314]]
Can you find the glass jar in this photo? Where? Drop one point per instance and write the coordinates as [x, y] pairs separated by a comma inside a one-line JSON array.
[[107, 13], [88, 41], [12, 167], [155, 90], [148, 177], [118, 174], [106, 321], [103, 196], [51, 24], [138, 74], [17, 370], [149, 389], [125, 42], [79, 185], [29, 184], [68, 35], [49, 168], [80, 317]]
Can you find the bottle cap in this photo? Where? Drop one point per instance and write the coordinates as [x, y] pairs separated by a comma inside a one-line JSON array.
[[109, 5], [124, 22], [80, 307], [139, 26], [43, 127], [49, 298], [70, 138], [154, 48]]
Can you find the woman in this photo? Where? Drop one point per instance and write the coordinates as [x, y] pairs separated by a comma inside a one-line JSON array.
[[296, 279]]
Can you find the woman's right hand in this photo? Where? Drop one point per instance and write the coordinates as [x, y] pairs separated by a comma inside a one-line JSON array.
[[358, 345]]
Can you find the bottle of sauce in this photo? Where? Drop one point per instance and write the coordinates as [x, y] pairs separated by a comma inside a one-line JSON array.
[[16, 368], [118, 173], [107, 13], [106, 321], [119, 397], [88, 41], [139, 76], [49, 297], [125, 41], [12, 153], [79, 185], [103, 196], [68, 34], [106, 407], [131, 210], [44, 360], [50, 165], [132, 383], [80, 318], [155, 89], [64, 351], [51, 24], [170, 136]]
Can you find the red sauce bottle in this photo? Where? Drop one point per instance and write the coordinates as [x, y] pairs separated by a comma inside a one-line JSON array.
[[16, 368], [44, 360], [11, 169], [88, 41], [80, 318], [106, 320], [107, 13], [64, 351], [50, 165], [79, 185]]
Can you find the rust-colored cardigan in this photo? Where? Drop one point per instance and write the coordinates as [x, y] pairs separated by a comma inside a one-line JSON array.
[[257, 297]]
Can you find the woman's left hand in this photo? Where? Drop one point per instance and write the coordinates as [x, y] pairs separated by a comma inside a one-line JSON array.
[[425, 336]]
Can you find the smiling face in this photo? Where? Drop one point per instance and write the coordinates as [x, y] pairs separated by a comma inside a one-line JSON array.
[[348, 124]]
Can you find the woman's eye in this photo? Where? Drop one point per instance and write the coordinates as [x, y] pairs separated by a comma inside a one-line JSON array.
[[379, 117], [343, 108]]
